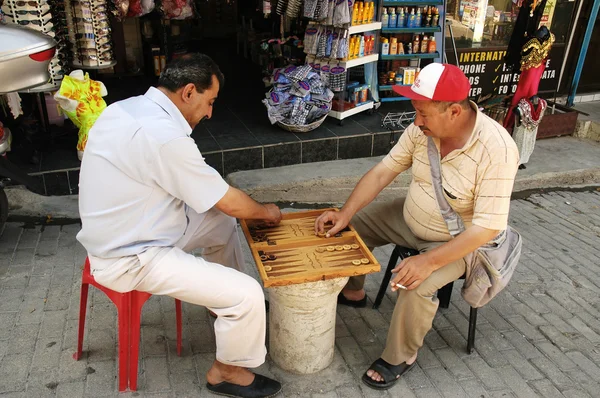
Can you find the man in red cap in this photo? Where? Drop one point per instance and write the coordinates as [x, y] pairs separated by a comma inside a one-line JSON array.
[[479, 162]]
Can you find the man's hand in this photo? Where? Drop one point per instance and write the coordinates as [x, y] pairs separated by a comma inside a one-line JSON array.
[[411, 272], [339, 219], [274, 214]]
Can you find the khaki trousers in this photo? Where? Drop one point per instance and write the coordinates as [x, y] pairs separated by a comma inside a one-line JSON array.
[[379, 224], [213, 281]]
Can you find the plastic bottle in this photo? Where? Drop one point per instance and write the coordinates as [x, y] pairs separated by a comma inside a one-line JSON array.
[[361, 47], [411, 19], [385, 18], [392, 18], [424, 44], [432, 47], [385, 46], [409, 49], [418, 18], [372, 14], [366, 13], [401, 18], [436, 17], [394, 46], [355, 14], [416, 47], [361, 11], [428, 17]]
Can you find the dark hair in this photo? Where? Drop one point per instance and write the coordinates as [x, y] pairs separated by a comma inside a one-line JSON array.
[[443, 105], [193, 68]]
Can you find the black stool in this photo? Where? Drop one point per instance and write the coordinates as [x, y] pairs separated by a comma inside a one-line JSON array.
[[443, 295]]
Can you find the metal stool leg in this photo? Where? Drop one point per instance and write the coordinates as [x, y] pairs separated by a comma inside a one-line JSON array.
[[387, 276], [472, 325], [444, 295]]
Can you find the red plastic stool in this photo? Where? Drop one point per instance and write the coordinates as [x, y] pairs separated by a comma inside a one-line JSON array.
[[129, 309]]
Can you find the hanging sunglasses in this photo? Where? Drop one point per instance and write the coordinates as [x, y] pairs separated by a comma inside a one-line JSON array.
[[25, 3], [37, 22], [32, 12]]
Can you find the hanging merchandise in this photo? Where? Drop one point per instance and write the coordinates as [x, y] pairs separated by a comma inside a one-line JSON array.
[[176, 9], [528, 21], [337, 78], [90, 34], [138, 8], [281, 7], [299, 100], [81, 99], [293, 8], [528, 115], [532, 65], [44, 17]]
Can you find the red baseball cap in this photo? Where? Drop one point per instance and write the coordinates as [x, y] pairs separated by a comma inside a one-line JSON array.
[[437, 82]]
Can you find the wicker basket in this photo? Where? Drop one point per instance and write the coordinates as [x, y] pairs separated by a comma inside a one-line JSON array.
[[303, 128]]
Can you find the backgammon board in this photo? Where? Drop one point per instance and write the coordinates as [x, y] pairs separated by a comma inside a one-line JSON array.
[[291, 253]]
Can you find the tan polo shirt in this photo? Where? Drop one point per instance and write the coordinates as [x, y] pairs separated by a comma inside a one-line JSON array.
[[477, 179]]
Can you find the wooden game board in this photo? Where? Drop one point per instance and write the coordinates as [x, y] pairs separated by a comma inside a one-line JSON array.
[[291, 253]]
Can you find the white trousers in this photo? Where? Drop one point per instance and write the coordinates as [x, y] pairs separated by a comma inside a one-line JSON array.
[[213, 281]]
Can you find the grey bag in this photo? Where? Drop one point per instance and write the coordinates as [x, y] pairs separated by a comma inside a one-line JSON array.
[[490, 267]]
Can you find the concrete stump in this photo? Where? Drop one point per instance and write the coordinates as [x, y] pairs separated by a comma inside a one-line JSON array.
[[302, 325]]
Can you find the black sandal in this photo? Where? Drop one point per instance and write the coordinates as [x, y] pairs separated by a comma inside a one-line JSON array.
[[261, 387], [352, 303], [390, 374]]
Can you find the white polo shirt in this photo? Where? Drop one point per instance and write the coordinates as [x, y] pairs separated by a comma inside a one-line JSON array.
[[139, 171]]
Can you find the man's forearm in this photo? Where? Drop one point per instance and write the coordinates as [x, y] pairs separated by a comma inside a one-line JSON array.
[[238, 204], [468, 241], [369, 186]]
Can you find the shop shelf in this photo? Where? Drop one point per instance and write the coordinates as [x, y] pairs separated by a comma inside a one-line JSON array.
[[364, 28], [389, 87], [412, 30], [418, 2], [394, 99], [361, 61], [410, 56], [351, 111]]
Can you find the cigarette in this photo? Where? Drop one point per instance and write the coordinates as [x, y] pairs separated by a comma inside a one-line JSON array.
[[400, 286]]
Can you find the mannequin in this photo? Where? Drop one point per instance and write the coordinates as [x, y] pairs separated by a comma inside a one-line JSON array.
[[528, 115], [533, 62]]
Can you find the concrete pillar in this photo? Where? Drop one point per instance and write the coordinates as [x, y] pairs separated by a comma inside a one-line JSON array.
[[302, 325]]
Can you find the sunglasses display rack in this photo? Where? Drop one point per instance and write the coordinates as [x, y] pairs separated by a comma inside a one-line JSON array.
[[89, 31], [45, 17]]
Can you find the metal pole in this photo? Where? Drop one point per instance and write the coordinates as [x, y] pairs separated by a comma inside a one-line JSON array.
[[567, 49], [583, 53]]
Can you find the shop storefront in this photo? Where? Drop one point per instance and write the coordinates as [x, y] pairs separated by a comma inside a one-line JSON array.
[[482, 30]]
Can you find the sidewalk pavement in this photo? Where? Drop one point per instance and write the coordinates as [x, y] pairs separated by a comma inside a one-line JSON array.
[[540, 337]]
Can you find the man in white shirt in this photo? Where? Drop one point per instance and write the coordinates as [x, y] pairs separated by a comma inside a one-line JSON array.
[[147, 199]]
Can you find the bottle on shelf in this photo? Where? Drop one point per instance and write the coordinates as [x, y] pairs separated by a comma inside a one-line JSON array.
[[416, 48], [417, 74], [436, 17], [385, 46], [385, 18], [428, 17], [372, 14], [361, 47], [418, 18], [366, 13], [411, 19], [431, 48], [400, 48], [355, 13], [409, 49], [401, 17], [424, 45], [392, 18], [394, 46]]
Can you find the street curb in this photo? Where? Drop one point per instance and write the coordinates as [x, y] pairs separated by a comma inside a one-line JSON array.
[[26, 204]]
